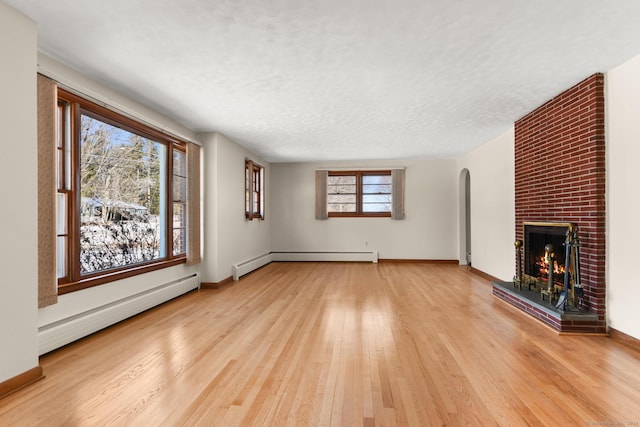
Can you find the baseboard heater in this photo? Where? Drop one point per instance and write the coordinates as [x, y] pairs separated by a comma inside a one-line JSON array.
[[65, 331], [239, 270]]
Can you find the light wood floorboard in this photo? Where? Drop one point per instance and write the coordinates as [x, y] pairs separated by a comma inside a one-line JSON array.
[[335, 344]]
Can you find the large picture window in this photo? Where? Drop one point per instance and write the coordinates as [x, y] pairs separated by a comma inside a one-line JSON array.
[[121, 196]]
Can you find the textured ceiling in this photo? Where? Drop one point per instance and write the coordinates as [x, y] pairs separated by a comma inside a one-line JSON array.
[[299, 80]]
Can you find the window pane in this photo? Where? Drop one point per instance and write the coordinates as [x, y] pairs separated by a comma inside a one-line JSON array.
[[179, 225], [376, 188], [179, 188], [376, 191], [342, 207], [376, 207], [376, 179], [179, 163], [376, 198], [122, 192], [61, 260], [341, 179], [61, 215], [179, 215], [341, 198], [376, 184], [179, 202], [341, 184], [179, 241], [256, 202], [341, 189]]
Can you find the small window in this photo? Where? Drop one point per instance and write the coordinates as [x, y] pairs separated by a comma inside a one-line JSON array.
[[254, 190], [359, 193]]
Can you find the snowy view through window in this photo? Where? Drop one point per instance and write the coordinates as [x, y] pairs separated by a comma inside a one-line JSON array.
[[122, 195]]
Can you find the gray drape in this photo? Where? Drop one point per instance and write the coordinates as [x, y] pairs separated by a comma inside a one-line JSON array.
[[321, 194], [397, 194]]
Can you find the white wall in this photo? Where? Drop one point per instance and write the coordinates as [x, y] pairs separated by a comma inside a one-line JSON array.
[[428, 232], [229, 237], [18, 215], [623, 197], [492, 171]]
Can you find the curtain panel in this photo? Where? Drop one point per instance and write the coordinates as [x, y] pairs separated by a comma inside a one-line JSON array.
[[397, 194], [47, 275], [321, 194]]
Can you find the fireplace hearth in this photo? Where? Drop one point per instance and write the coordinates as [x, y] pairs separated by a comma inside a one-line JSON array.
[[572, 320], [549, 287]]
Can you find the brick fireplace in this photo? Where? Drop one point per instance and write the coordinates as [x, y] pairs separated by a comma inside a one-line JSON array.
[[560, 178]]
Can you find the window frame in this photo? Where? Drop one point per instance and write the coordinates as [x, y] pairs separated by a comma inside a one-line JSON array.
[[75, 107], [254, 190], [359, 213], [181, 202]]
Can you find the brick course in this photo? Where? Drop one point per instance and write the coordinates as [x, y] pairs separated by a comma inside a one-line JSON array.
[[560, 177]]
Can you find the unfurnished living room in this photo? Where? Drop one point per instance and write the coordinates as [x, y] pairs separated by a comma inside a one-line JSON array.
[[305, 212]]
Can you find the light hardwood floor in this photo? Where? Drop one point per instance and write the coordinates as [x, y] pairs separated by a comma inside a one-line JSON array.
[[348, 344]]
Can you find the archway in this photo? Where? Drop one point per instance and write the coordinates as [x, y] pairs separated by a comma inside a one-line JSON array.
[[465, 217]]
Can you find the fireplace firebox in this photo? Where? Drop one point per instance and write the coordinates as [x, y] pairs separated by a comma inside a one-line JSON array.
[[544, 243]]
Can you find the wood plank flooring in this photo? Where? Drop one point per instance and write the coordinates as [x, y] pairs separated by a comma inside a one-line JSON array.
[[342, 344]]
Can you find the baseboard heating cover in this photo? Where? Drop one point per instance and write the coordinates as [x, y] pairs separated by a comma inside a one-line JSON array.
[[65, 331], [239, 270]]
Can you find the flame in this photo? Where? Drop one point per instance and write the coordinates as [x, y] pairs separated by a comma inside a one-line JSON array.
[[543, 267]]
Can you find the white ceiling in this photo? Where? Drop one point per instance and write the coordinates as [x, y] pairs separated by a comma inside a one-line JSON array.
[[300, 80]]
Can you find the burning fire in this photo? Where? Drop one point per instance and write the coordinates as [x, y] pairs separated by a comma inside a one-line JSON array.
[[543, 267]]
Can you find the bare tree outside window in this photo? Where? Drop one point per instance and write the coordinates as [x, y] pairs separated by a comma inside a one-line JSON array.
[[122, 221], [376, 193], [341, 193]]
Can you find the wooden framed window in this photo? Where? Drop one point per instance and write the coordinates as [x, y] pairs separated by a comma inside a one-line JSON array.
[[179, 201], [254, 190], [359, 193], [121, 196], [63, 185]]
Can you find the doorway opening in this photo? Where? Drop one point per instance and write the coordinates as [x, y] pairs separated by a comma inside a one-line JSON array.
[[465, 217]]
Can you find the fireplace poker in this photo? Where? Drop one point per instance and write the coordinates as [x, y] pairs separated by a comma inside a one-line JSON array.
[[562, 300], [517, 280], [550, 259], [578, 289]]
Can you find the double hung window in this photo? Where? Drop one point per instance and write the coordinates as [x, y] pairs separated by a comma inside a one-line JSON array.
[[122, 196], [359, 193], [254, 190]]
